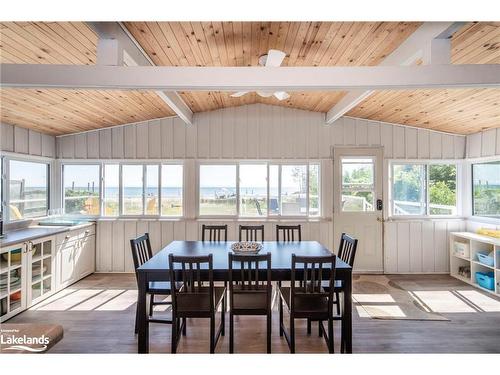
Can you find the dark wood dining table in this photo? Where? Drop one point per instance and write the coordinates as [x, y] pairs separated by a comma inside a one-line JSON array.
[[156, 269]]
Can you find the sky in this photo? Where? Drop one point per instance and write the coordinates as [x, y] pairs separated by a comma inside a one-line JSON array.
[[35, 174], [489, 172]]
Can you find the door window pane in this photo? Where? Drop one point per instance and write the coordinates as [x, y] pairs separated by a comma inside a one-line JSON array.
[[314, 182], [293, 190], [132, 189], [152, 187], [111, 189], [253, 190], [486, 189], [442, 189], [81, 189], [28, 189], [408, 189], [358, 185], [171, 190], [274, 205], [218, 190]]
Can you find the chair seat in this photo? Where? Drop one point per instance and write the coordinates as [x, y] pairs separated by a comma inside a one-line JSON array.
[[160, 287], [199, 301], [312, 304], [249, 299]]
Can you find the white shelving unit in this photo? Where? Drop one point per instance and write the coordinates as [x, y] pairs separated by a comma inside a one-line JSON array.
[[476, 243]]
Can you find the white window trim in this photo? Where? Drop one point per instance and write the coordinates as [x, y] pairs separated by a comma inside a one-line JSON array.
[[6, 157], [459, 190], [266, 217]]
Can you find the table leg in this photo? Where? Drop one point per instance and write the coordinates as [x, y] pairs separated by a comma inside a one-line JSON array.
[[347, 313], [143, 340]]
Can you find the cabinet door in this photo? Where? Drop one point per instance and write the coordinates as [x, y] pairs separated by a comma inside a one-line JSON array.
[[12, 280], [85, 258], [40, 267], [66, 264]]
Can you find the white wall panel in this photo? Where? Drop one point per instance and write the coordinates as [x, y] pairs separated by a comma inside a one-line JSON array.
[[105, 144], [179, 138], [154, 139], [411, 143], [129, 142], [448, 146], [81, 146], [117, 151], [48, 146], [35, 143], [7, 137], [435, 145], [142, 139], [423, 144], [21, 140], [488, 142], [92, 145]]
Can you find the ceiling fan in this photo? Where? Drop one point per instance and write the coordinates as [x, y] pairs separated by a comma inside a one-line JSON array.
[[273, 58]]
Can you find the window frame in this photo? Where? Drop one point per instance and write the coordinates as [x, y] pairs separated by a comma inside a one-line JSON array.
[[5, 181], [63, 203], [268, 163], [485, 218], [426, 163]]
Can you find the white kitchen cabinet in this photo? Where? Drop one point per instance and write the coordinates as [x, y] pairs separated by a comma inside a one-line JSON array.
[[75, 256], [12, 280], [40, 266]]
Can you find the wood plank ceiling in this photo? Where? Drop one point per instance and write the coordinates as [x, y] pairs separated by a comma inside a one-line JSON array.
[[55, 111], [241, 44]]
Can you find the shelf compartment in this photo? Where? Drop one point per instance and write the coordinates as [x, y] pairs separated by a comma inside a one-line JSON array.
[[483, 265]]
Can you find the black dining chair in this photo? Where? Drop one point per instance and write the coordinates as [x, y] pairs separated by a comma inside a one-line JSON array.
[[250, 290], [214, 233], [288, 233], [141, 253], [251, 233], [195, 299], [309, 301]]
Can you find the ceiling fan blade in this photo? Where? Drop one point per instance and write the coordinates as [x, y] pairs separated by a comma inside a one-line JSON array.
[[265, 94], [238, 94], [275, 57], [281, 95]]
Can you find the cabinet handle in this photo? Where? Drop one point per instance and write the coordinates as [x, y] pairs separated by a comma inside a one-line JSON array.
[[67, 237], [87, 231]]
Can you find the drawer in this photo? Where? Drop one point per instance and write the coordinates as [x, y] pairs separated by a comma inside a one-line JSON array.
[[76, 234]]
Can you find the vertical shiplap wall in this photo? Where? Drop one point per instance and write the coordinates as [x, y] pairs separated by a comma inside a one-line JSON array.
[[483, 144], [27, 142], [265, 132]]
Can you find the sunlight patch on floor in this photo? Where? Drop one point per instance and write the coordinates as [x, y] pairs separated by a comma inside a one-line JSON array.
[[121, 302], [389, 311], [375, 298], [63, 302], [480, 300], [443, 301], [97, 300]]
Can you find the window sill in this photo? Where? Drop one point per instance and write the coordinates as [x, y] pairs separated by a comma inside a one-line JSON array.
[[424, 218]]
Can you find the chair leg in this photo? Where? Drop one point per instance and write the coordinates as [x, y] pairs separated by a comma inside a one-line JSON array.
[[308, 326], [173, 348], [320, 331], [331, 348], [223, 316], [151, 304], [337, 298], [136, 330], [281, 315], [269, 327], [212, 334], [341, 338], [184, 329], [292, 334], [231, 333]]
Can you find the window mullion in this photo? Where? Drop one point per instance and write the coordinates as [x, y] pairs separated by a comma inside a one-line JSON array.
[[159, 189], [307, 190], [426, 176], [238, 189], [143, 189]]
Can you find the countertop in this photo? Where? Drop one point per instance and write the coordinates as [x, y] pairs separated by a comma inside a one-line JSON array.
[[37, 231]]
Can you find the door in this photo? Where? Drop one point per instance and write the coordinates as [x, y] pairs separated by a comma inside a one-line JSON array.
[[66, 264], [40, 269], [12, 280], [358, 174], [85, 257]]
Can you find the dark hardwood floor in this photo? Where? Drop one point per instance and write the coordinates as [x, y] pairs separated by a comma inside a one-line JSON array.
[[97, 315]]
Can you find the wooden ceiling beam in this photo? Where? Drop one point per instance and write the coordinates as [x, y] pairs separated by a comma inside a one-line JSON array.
[[114, 37], [416, 46], [249, 78]]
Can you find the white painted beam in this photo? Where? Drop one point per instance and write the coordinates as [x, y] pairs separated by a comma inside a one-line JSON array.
[[407, 53], [134, 55], [168, 78], [109, 52]]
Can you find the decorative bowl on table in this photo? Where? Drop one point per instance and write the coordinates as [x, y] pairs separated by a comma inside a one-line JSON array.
[[246, 247]]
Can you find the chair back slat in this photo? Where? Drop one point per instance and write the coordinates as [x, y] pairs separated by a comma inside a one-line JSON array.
[[214, 233], [312, 274], [185, 276], [289, 233], [141, 250], [251, 233], [347, 249]]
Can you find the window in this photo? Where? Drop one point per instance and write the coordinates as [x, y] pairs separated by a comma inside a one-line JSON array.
[[424, 189], [28, 194], [486, 189], [259, 190], [111, 196], [358, 185], [218, 190], [140, 189], [253, 190], [171, 190], [81, 189]]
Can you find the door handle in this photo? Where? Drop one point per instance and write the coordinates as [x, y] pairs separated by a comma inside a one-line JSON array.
[[380, 219]]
